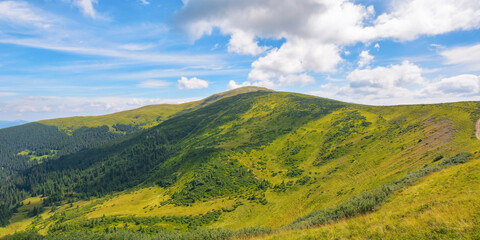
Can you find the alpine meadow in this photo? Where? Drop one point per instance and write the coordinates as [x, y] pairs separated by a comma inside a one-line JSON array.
[[254, 163], [227, 119]]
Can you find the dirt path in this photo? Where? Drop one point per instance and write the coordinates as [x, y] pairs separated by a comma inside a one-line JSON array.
[[478, 129]]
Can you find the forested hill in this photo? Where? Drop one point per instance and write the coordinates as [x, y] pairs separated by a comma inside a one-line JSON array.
[[246, 165], [30, 144]]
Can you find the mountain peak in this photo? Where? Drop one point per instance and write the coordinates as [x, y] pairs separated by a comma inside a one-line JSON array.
[[234, 92]]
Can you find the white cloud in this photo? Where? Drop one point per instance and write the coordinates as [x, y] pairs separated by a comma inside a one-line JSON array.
[[294, 79], [19, 12], [136, 47], [192, 83], [365, 59], [410, 19], [461, 85], [311, 40], [467, 57], [315, 30], [401, 84], [144, 2], [7, 94], [232, 85], [109, 52], [384, 81], [34, 108], [153, 84], [296, 57], [87, 7], [244, 43]]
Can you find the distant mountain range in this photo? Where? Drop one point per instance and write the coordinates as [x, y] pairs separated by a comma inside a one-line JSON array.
[[6, 124]]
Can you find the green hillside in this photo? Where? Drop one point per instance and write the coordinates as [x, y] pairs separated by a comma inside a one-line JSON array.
[[264, 164], [27, 145], [144, 117]]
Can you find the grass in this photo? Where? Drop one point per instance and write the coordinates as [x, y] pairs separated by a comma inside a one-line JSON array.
[[34, 156], [144, 117], [443, 205], [348, 152]]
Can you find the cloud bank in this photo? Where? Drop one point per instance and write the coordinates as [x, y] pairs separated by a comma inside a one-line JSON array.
[[315, 31]]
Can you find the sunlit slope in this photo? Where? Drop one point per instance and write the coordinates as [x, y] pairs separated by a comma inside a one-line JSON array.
[[443, 205], [343, 155], [34, 143], [144, 117], [256, 159]]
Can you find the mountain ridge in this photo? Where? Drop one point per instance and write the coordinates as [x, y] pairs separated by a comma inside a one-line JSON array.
[[144, 117], [256, 160]]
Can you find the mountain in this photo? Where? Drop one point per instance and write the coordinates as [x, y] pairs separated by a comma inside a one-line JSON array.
[[29, 144], [263, 164], [141, 118], [7, 124]]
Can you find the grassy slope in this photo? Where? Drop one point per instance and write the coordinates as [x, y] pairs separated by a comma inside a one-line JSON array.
[[144, 117], [366, 156], [444, 205]]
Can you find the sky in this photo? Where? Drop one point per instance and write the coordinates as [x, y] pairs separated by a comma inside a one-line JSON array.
[[61, 58]]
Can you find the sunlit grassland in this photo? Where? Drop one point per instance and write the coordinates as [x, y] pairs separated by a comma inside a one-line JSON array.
[[33, 156], [146, 202], [317, 165], [144, 117], [369, 164], [443, 205]]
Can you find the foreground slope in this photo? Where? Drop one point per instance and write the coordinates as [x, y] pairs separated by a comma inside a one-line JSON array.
[[444, 205], [259, 159]]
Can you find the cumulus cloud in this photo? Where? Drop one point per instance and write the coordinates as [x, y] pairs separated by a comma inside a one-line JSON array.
[[153, 84], [244, 43], [232, 85], [466, 56], [365, 59], [296, 57], [192, 83], [411, 19], [461, 85], [402, 84], [384, 81], [310, 38], [311, 42], [87, 7]]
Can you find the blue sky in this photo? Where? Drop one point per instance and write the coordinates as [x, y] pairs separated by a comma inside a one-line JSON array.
[[61, 58]]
